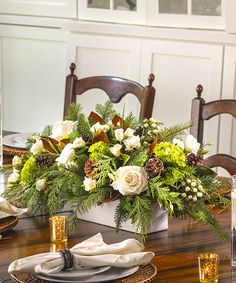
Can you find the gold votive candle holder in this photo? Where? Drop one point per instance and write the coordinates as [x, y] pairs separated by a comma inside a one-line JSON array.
[[56, 247], [208, 268], [58, 228]]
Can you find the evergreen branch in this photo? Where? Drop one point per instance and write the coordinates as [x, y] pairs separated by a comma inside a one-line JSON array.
[[137, 157], [201, 213], [132, 121], [106, 112], [73, 112], [168, 134], [83, 125]]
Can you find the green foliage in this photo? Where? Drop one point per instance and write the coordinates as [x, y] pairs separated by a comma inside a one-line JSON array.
[[73, 112], [29, 171], [168, 134], [83, 125], [132, 121], [200, 213], [137, 157], [106, 111], [47, 131]]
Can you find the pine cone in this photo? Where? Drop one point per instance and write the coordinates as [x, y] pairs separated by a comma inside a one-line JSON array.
[[194, 160], [44, 160], [86, 137], [153, 167], [91, 168], [139, 131]]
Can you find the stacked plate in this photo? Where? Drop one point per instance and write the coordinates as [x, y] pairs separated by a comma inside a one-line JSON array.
[[99, 274], [16, 140]]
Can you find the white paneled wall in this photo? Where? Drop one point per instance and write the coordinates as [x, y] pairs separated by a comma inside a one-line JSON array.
[[102, 55], [33, 65]]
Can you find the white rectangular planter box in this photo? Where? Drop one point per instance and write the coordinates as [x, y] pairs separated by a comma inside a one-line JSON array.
[[104, 214]]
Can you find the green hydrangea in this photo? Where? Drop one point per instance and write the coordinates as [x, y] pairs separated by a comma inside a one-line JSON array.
[[170, 153], [98, 148], [27, 172]]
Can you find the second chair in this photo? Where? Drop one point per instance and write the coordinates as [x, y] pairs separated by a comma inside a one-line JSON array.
[[115, 87], [202, 111]]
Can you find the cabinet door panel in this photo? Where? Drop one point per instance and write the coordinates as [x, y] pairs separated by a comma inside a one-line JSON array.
[[228, 124], [100, 55], [179, 68], [44, 8]]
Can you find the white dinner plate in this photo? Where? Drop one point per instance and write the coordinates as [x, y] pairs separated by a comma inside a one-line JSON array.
[[16, 140], [111, 274], [76, 273]]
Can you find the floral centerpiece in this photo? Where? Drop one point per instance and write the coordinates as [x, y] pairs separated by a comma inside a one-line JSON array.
[[85, 161]]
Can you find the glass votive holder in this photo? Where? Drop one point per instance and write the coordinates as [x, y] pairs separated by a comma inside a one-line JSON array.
[[56, 247], [58, 228], [208, 268]]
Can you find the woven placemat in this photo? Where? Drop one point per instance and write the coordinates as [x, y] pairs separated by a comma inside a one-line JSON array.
[[8, 223], [144, 274], [12, 151]]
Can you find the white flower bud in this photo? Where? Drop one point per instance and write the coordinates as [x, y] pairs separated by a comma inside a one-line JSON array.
[[195, 190], [183, 183], [146, 125], [200, 187], [194, 183], [40, 184], [190, 197], [16, 160], [187, 189], [188, 181], [89, 184], [194, 198], [116, 150], [119, 134], [183, 195], [78, 143], [13, 177], [199, 194]]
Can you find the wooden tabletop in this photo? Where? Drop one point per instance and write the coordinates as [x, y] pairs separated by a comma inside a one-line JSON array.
[[176, 249]]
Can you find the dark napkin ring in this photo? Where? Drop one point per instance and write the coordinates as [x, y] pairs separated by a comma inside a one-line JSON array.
[[68, 259]]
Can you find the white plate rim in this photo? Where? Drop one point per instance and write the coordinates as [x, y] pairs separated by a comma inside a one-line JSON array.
[[100, 277], [6, 140], [64, 274]]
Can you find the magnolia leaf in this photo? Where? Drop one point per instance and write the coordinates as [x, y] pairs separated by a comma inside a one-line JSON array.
[[117, 119], [50, 144], [101, 137], [151, 147], [125, 158], [204, 170], [96, 118], [63, 143]]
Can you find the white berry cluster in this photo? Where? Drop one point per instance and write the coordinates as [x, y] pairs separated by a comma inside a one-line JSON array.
[[192, 189], [150, 129]]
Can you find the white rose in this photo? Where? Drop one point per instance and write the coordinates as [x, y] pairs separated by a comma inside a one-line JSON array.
[[132, 142], [66, 156], [129, 132], [62, 129], [116, 150], [16, 160], [119, 134], [191, 144], [40, 184], [98, 128], [131, 180], [78, 143], [37, 147], [13, 177], [178, 142], [89, 184]]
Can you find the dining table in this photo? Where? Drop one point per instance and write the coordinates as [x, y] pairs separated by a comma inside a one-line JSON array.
[[176, 249]]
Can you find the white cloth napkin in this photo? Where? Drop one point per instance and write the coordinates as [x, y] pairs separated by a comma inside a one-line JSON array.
[[7, 209], [90, 253]]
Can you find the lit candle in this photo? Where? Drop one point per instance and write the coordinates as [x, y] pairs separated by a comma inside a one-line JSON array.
[[208, 268]]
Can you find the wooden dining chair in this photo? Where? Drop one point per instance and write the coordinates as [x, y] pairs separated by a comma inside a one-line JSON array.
[[114, 87], [202, 111]]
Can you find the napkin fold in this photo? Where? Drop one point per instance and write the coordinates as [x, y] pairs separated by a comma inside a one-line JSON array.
[[7, 209], [92, 252]]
